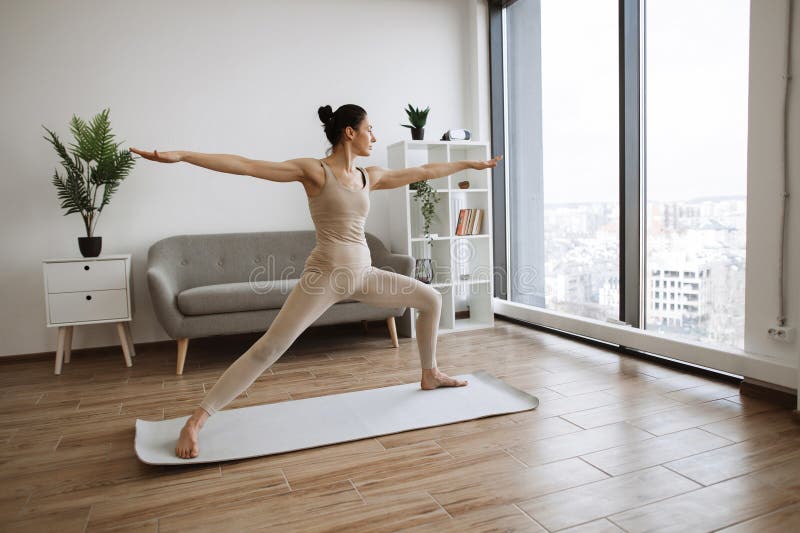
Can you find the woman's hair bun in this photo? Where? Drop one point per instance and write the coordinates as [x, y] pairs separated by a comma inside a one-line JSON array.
[[325, 113]]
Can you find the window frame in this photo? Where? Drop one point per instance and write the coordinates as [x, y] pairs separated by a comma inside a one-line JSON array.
[[629, 334]]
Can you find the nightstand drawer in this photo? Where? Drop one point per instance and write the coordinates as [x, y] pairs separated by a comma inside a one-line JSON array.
[[76, 276], [87, 306]]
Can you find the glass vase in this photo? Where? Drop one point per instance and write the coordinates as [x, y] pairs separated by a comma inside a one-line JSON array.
[[424, 270]]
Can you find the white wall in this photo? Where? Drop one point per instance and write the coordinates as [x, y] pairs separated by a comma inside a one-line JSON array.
[[765, 180], [243, 77]]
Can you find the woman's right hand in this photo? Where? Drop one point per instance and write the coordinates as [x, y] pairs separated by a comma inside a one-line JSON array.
[[161, 157]]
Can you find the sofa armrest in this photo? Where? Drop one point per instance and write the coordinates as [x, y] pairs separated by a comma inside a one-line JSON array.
[[164, 295]]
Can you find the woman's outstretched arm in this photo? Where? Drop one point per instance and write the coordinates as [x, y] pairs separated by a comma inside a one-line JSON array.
[[390, 179], [291, 170]]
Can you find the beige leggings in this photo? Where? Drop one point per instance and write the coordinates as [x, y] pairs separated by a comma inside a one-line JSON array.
[[316, 291]]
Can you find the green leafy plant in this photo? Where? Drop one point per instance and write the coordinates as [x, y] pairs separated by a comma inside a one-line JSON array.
[[416, 117], [428, 198], [94, 162]]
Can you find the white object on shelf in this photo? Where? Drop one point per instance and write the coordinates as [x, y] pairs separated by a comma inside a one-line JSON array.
[[88, 290], [463, 264]]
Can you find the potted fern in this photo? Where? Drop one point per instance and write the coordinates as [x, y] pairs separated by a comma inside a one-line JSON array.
[[94, 162], [417, 118]]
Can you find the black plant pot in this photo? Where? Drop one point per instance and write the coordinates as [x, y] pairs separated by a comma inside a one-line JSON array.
[[417, 134], [90, 246]]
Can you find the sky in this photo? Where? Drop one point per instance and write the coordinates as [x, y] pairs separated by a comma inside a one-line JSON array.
[[696, 85]]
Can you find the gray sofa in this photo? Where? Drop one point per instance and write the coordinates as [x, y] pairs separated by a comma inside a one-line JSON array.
[[227, 283]]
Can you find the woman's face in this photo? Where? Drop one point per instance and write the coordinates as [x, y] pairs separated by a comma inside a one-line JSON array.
[[364, 138]]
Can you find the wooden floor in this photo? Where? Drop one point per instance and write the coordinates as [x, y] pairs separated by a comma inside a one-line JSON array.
[[617, 444]]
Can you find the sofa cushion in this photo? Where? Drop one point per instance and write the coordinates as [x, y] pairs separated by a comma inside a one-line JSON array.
[[236, 297]]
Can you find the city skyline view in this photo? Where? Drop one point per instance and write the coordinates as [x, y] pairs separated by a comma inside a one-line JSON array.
[[684, 240]]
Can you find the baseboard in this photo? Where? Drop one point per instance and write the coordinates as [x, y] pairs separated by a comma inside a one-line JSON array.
[[170, 343], [768, 392], [80, 351], [654, 358]]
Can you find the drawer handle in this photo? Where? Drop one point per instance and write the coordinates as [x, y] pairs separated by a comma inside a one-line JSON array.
[[88, 296], [86, 267]]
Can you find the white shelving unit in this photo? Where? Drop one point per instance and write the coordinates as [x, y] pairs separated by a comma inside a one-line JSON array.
[[462, 264]]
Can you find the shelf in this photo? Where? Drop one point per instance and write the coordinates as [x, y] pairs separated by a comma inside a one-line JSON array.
[[471, 282], [413, 191], [466, 282], [452, 255], [477, 236], [470, 323], [423, 143], [463, 324]]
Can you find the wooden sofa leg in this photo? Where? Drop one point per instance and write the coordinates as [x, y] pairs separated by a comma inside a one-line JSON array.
[[392, 331], [364, 325], [183, 346]]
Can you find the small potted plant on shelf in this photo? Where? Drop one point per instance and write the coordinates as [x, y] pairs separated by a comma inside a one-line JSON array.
[[94, 162], [417, 118], [427, 197]]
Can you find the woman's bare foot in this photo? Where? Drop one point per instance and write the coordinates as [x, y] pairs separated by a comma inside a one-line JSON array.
[[187, 442], [187, 447], [432, 378]]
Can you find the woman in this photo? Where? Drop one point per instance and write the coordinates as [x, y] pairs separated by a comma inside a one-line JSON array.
[[339, 267]]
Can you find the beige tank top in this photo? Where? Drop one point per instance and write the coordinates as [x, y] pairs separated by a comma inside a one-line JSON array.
[[339, 216]]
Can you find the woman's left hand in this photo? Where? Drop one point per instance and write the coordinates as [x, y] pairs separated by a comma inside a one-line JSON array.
[[480, 165], [162, 157]]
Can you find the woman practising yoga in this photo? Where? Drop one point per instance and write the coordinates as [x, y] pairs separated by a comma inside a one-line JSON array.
[[339, 266]]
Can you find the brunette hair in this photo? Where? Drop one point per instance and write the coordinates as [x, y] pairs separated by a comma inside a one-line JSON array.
[[335, 122]]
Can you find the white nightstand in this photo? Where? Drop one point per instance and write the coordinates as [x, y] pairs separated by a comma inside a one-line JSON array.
[[89, 290]]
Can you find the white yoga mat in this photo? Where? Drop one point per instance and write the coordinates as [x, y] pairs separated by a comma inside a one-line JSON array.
[[298, 424]]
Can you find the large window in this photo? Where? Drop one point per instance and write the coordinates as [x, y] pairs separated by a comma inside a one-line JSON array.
[[625, 129], [563, 155], [696, 152]]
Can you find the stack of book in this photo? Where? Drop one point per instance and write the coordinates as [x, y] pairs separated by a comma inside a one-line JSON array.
[[469, 221]]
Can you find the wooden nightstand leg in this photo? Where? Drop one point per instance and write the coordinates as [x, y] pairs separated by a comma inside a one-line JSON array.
[[68, 343], [62, 333], [131, 346], [123, 341], [183, 346], [392, 331]]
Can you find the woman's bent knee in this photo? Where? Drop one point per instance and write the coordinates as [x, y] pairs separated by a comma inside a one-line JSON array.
[[432, 301]]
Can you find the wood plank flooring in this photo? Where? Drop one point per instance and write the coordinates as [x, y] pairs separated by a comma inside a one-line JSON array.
[[617, 444]]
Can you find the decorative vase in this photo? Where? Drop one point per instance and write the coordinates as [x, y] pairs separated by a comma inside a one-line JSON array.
[[417, 134], [90, 246], [424, 270]]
